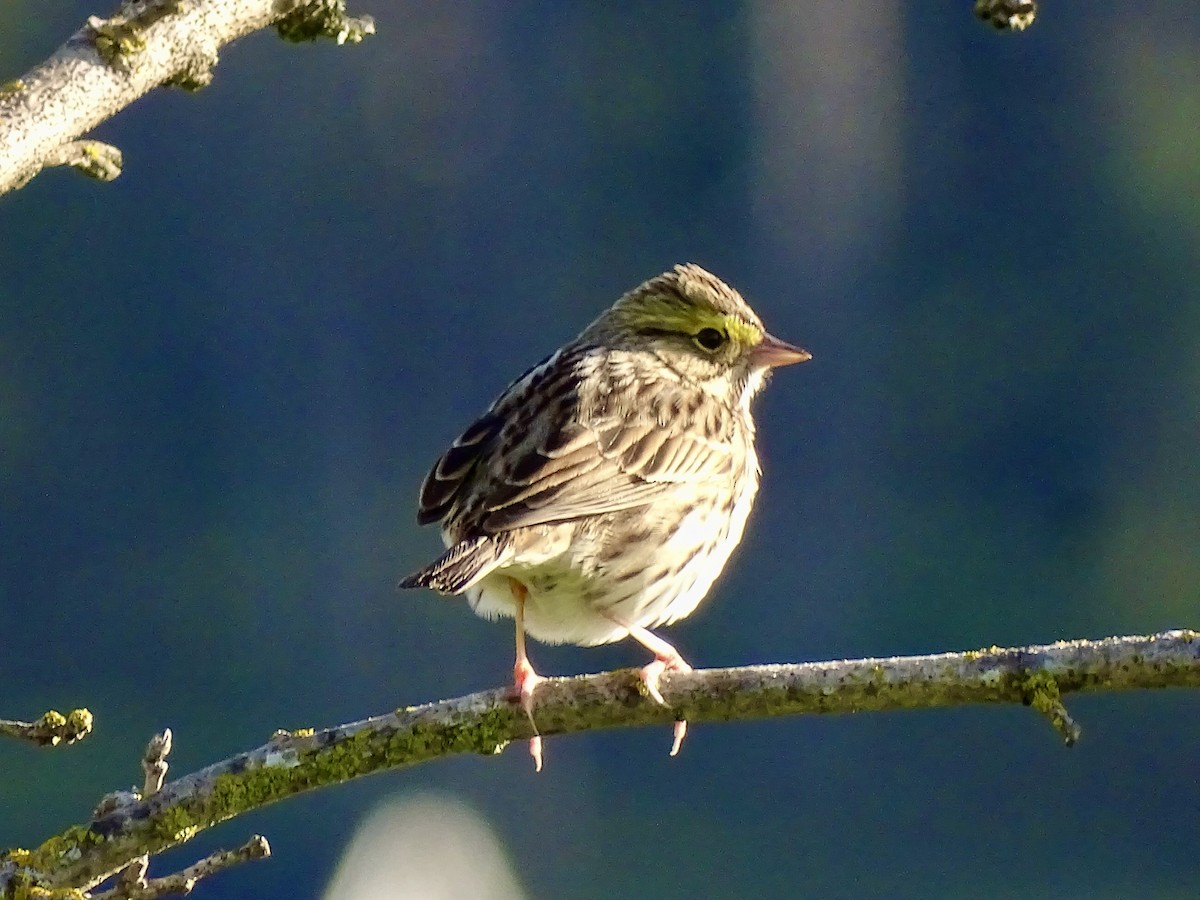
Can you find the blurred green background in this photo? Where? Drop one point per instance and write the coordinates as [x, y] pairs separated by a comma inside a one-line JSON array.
[[223, 376]]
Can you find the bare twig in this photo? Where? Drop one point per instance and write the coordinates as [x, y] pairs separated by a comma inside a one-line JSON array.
[[290, 763], [154, 762], [93, 158], [52, 728], [110, 63], [183, 882], [132, 878]]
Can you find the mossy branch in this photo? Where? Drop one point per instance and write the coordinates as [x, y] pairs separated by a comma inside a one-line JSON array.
[[110, 63], [128, 826], [51, 728]]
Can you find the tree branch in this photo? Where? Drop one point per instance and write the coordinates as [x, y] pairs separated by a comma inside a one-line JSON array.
[[127, 826], [52, 728], [110, 63], [141, 888]]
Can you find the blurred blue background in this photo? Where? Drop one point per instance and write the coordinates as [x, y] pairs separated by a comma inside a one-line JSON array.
[[223, 376]]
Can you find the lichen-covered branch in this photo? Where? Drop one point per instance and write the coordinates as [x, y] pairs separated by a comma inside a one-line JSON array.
[[127, 826], [1007, 15], [182, 883], [154, 772], [51, 728], [109, 63]]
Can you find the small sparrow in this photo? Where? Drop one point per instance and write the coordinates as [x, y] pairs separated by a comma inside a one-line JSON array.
[[604, 490]]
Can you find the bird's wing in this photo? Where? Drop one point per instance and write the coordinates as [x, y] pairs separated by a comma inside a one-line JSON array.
[[541, 455], [450, 477]]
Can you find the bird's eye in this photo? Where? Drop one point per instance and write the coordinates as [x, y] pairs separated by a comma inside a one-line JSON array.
[[709, 339]]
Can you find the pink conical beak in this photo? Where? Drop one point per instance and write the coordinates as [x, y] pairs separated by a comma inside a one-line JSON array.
[[772, 352]]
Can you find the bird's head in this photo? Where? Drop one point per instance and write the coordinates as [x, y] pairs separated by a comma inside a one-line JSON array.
[[700, 328]]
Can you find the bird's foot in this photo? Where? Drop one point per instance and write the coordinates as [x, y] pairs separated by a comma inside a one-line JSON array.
[[666, 659], [652, 672], [526, 681], [650, 677]]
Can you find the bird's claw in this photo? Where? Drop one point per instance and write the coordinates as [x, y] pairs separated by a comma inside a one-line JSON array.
[[680, 734], [651, 674], [535, 750], [526, 681]]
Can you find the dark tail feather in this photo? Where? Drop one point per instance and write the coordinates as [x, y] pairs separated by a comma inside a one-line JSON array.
[[459, 567]]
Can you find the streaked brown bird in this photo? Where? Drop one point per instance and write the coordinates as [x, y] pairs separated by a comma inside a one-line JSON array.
[[604, 490]]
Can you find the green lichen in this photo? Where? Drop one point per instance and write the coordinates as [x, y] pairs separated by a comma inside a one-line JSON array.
[[294, 772], [296, 763], [233, 794], [177, 824], [51, 720], [24, 886], [49, 857], [53, 728], [485, 734], [12, 87], [1007, 15], [1041, 691], [30, 891], [116, 40], [324, 18], [122, 37], [80, 720]]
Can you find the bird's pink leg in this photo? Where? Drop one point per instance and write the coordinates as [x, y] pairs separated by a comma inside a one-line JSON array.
[[524, 676], [666, 659]]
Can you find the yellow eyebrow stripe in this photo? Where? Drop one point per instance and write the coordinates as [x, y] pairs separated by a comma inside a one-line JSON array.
[[665, 313]]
